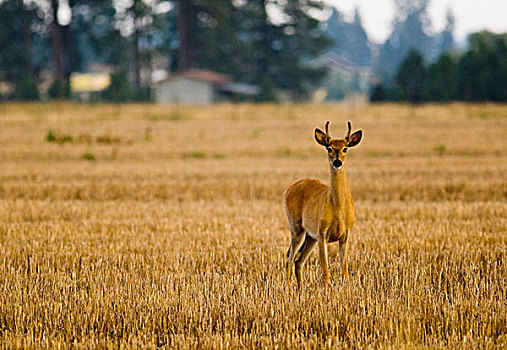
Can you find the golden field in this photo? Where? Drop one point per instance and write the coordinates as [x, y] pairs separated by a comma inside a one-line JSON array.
[[157, 226]]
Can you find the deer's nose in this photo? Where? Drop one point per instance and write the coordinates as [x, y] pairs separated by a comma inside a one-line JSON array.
[[337, 163]]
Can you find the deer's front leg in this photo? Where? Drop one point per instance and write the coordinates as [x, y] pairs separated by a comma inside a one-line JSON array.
[[344, 256], [323, 258]]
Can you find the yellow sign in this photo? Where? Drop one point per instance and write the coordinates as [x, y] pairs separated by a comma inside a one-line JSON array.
[[85, 82], [319, 95]]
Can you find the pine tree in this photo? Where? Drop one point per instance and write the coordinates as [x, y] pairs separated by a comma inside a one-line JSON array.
[[441, 82], [409, 32], [361, 52], [482, 70], [448, 33], [16, 40], [350, 39], [242, 39], [410, 76], [97, 38]]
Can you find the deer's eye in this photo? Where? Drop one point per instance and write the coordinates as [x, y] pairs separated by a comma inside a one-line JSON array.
[[344, 150], [329, 149]]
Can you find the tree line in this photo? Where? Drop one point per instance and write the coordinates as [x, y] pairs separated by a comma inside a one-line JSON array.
[[479, 74], [239, 38], [269, 43]]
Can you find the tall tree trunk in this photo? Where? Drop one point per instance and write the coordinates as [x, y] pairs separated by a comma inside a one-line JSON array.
[[56, 43], [72, 51], [184, 52], [27, 40], [137, 60]]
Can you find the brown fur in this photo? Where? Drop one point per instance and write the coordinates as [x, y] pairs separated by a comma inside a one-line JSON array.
[[321, 214]]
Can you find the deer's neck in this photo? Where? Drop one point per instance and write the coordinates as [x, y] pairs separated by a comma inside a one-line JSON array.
[[339, 187]]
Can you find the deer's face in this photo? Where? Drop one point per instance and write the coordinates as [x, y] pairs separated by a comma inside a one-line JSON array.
[[337, 153], [337, 148]]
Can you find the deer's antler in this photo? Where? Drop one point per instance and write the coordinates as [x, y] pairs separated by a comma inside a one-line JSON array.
[[348, 132], [328, 135]]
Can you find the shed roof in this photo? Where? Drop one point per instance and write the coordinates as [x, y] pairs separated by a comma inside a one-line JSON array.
[[241, 89], [202, 75]]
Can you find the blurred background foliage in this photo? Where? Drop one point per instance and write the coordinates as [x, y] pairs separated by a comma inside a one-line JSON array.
[[283, 47]]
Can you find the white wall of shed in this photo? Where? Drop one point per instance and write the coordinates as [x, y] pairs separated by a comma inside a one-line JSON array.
[[184, 91]]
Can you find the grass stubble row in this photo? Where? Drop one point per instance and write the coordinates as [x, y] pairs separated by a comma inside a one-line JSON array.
[[178, 239]]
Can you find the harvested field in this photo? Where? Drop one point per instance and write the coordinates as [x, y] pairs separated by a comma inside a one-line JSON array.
[[153, 226]]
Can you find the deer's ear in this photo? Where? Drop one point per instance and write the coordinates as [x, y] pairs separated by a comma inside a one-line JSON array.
[[321, 138], [355, 138]]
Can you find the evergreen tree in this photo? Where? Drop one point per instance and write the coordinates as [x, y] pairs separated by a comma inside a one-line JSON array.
[[409, 32], [218, 39], [482, 70], [350, 39], [16, 40], [480, 74], [441, 82], [378, 94], [119, 90], [26, 90], [268, 91], [241, 39], [97, 37], [145, 25], [447, 35], [59, 90], [410, 77], [296, 41]]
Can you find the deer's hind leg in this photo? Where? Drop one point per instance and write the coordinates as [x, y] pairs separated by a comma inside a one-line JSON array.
[[302, 255], [297, 239]]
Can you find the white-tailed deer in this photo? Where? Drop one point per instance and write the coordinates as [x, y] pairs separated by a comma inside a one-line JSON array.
[[321, 214]]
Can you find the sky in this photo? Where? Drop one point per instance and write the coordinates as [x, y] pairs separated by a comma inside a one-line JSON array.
[[471, 15]]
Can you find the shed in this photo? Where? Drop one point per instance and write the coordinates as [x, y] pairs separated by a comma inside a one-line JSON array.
[[193, 86], [197, 86]]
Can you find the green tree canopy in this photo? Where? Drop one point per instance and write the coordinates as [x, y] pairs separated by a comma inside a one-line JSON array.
[[410, 76], [441, 80]]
